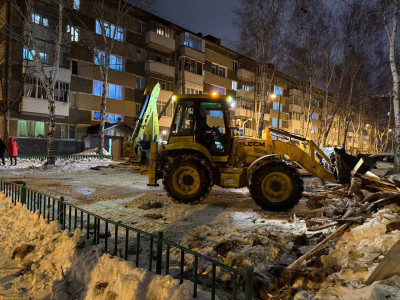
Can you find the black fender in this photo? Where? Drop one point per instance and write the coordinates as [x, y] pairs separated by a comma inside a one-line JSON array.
[[259, 161]]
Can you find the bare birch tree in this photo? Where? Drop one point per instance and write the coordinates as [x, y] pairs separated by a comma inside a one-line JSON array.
[[261, 29], [390, 12]]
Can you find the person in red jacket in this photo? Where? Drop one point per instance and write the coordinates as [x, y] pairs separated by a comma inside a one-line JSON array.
[[13, 150]]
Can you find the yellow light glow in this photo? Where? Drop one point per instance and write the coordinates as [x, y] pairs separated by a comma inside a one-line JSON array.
[[214, 93], [173, 98], [273, 96]]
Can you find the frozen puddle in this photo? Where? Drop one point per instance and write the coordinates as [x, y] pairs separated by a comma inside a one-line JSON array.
[[84, 190]]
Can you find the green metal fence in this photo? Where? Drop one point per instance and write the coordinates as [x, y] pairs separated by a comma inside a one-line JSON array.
[[72, 217], [43, 157]]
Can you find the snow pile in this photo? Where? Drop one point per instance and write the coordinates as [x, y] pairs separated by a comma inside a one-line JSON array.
[[357, 254], [93, 151], [360, 246], [39, 261]]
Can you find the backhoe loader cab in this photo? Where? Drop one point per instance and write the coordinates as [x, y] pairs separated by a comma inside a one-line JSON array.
[[202, 120]]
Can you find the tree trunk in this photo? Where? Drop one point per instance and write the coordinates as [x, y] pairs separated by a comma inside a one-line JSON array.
[[51, 128], [103, 111], [396, 102], [263, 105]]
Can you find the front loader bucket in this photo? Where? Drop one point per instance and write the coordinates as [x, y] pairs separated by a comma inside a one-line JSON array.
[[345, 163]]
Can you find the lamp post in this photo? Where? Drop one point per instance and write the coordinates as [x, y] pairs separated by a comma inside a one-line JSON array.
[[244, 126], [279, 110]]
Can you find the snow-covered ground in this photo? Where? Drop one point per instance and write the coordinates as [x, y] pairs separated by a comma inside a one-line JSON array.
[[227, 226], [38, 261]]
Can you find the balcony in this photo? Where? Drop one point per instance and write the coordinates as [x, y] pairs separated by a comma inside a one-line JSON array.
[[244, 113], [164, 96], [295, 92], [193, 78], [64, 75], [159, 42], [160, 68], [240, 93], [195, 54], [294, 108], [295, 123], [245, 75], [40, 106]]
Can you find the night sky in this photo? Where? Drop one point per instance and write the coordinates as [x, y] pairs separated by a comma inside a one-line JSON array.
[[213, 17]]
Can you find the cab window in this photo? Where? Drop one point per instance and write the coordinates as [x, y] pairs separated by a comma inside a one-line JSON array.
[[215, 115], [183, 123]]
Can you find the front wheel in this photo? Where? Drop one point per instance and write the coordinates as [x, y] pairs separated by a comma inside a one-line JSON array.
[[187, 179], [276, 186]]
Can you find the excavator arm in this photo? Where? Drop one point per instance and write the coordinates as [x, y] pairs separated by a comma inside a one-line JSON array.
[[147, 127], [300, 151]]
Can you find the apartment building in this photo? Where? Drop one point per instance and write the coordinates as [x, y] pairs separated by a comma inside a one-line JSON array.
[[147, 49]]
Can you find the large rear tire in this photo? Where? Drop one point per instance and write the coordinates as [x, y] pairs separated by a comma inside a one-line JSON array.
[[188, 179], [276, 186]]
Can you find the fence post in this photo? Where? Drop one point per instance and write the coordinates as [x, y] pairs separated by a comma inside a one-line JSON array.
[[23, 193], [159, 252], [61, 212], [248, 290]]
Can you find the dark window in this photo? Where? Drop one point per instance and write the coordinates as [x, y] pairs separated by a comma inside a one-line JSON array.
[[74, 67]]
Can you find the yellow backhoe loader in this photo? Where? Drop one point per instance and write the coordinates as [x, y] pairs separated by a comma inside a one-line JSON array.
[[202, 150]]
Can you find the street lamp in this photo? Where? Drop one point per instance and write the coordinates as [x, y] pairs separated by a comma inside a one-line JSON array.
[[244, 126]]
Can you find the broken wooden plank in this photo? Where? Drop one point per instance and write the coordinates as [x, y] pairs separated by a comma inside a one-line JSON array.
[[373, 177], [379, 195], [357, 166], [321, 227], [389, 266], [318, 247]]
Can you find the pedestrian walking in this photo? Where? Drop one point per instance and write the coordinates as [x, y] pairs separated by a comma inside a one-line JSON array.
[[13, 150], [3, 149]]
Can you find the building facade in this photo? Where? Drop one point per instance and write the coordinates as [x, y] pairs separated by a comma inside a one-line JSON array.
[[147, 49]]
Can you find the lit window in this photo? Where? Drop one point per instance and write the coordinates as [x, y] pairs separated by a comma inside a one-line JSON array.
[[192, 41], [140, 82], [111, 118], [248, 88], [98, 87], [118, 118], [218, 89], [110, 30], [275, 122], [234, 85], [275, 106], [314, 116], [96, 116], [38, 19], [278, 90], [113, 91], [313, 129], [77, 4], [74, 33], [30, 129], [116, 62]]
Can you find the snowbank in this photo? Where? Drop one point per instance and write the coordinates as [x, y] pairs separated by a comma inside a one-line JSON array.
[[39, 261], [357, 254], [93, 151]]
